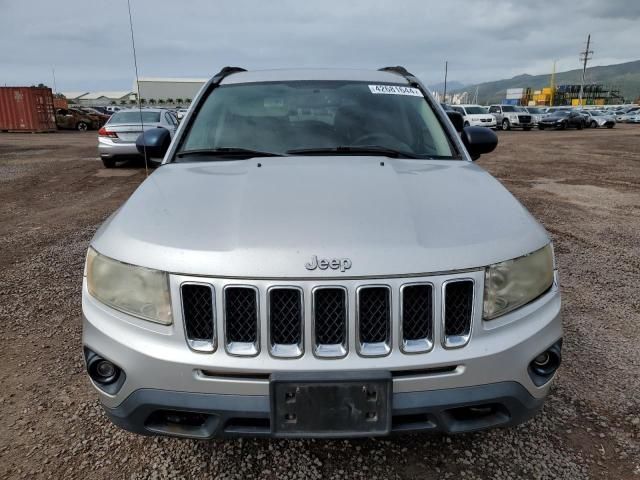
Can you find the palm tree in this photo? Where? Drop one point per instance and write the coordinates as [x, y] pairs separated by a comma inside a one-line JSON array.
[[123, 102], [179, 101], [152, 101], [187, 100], [143, 101], [161, 102], [169, 100]]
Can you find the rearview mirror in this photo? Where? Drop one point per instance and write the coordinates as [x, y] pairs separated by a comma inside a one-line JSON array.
[[457, 119], [154, 142], [479, 140]]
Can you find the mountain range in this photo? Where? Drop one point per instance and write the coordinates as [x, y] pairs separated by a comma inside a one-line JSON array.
[[622, 76]]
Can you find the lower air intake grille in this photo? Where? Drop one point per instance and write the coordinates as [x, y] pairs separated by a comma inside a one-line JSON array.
[[374, 317], [197, 307], [241, 315], [330, 320], [417, 314], [458, 307], [285, 316]]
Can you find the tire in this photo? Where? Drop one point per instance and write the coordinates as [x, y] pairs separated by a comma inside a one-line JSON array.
[[466, 124], [563, 126], [580, 126], [108, 162], [506, 125], [526, 129], [609, 126], [82, 126], [541, 127], [593, 124]]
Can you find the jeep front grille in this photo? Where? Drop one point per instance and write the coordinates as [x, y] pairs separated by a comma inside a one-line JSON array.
[[330, 321], [457, 312], [198, 311], [417, 317], [374, 320], [285, 322], [241, 320]]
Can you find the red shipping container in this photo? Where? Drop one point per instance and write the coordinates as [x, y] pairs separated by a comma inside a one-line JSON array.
[[27, 109]]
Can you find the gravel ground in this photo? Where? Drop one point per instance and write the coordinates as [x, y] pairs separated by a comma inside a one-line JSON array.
[[584, 186]]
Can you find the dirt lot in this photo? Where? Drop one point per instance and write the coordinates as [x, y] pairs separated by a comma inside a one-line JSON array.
[[583, 185]]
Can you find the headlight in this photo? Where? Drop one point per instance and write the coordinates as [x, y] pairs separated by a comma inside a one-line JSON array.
[[138, 291], [511, 284]]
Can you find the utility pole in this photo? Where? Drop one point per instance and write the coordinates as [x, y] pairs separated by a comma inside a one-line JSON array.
[[585, 56], [552, 84], [53, 71], [446, 65]]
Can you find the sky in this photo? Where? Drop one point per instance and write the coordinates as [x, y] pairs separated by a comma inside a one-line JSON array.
[[89, 42]]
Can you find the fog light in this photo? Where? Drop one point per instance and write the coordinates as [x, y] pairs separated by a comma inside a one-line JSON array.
[[544, 365], [102, 371]]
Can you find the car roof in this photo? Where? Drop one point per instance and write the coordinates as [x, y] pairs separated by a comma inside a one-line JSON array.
[[313, 74]]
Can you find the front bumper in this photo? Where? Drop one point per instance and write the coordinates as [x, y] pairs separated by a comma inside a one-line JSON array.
[[162, 373], [201, 415]]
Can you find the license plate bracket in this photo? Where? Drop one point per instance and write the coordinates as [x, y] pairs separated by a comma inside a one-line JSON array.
[[342, 404]]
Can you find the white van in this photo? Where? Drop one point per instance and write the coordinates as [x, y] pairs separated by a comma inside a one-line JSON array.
[[475, 116]]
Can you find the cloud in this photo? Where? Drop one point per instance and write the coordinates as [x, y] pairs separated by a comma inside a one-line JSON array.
[[89, 42]]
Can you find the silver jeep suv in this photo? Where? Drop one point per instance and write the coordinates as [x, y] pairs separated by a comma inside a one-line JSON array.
[[318, 256]]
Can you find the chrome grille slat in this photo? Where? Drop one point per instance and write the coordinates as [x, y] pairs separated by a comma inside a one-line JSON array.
[[457, 312], [199, 318], [374, 320], [241, 320], [330, 314], [285, 321], [416, 317]]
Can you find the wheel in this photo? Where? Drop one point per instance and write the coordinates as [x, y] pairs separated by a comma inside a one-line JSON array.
[[563, 125], [609, 126], [580, 126], [526, 129], [108, 162], [506, 125], [593, 124], [82, 127], [540, 127], [466, 124]]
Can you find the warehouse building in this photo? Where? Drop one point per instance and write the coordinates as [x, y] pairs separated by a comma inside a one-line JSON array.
[[171, 91], [98, 99]]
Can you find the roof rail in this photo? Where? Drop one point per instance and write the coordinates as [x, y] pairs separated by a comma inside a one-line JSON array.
[[225, 72], [400, 70]]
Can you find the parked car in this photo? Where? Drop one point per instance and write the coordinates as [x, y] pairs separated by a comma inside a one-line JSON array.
[[511, 116], [595, 119], [634, 118], [72, 119], [180, 113], [117, 138], [99, 118], [475, 115], [112, 108], [562, 119], [102, 110], [624, 118], [297, 268], [536, 114]]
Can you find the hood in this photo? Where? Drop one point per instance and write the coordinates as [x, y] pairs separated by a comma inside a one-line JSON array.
[[481, 116], [239, 219]]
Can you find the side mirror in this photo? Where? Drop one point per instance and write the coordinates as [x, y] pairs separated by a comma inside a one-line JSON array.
[[479, 140], [457, 119], [155, 142]]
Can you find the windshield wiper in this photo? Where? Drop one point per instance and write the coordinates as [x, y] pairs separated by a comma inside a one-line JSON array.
[[226, 152], [353, 150]]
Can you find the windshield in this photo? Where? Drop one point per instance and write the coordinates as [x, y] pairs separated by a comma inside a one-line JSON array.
[[475, 110], [134, 117], [560, 113], [534, 110], [279, 117]]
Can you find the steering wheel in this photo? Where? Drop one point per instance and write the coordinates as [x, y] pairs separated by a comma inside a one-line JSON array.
[[381, 139]]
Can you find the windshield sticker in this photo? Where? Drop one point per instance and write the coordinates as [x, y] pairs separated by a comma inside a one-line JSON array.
[[395, 90]]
